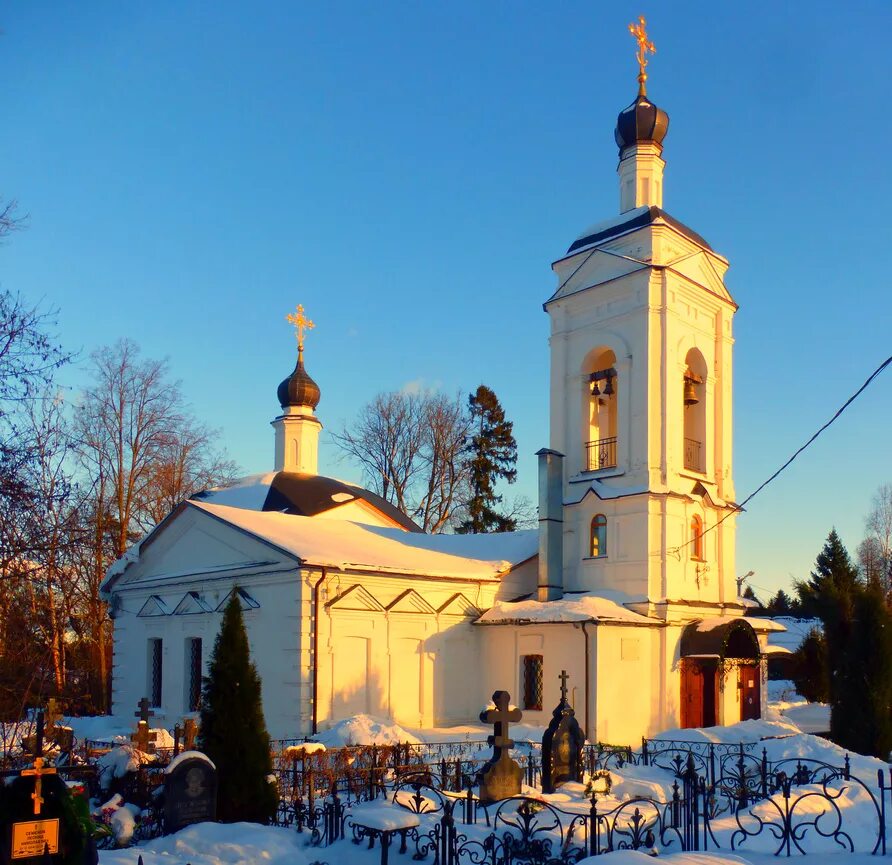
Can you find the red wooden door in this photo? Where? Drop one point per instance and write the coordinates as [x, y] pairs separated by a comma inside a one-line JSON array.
[[691, 695], [749, 684]]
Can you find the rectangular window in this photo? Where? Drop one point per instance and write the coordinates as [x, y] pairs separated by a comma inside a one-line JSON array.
[[155, 662], [531, 674], [193, 674]]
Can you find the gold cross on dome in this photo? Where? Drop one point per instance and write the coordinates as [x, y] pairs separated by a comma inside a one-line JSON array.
[[301, 323], [645, 47]]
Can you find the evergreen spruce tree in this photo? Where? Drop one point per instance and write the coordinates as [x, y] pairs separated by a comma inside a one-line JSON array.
[[493, 455], [233, 731], [811, 669]]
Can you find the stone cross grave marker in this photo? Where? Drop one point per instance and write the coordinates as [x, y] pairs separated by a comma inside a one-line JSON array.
[[501, 777], [143, 739], [562, 745], [190, 734]]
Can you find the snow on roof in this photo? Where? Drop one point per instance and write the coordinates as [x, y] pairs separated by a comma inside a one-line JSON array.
[[765, 625], [344, 544], [571, 608], [598, 227], [795, 631], [249, 492]]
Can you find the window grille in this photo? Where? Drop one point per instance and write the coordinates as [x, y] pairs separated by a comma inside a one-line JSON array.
[[532, 681], [193, 674], [155, 671]]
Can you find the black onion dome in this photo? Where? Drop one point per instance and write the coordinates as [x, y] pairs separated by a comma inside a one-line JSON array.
[[641, 121], [299, 389]]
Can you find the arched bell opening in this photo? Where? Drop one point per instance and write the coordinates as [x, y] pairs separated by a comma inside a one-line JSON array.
[[600, 410], [694, 408]]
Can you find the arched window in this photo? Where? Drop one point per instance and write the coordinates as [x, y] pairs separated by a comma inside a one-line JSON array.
[[598, 547], [697, 537]]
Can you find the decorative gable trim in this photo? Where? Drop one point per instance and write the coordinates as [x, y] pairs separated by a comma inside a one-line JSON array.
[[191, 604], [356, 598], [409, 602], [459, 605], [245, 599], [154, 606]]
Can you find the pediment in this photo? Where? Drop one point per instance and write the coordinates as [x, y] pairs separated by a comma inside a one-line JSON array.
[[154, 606], [409, 602], [356, 598], [459, 605], [191, 604], [699, 268], [245, 600]]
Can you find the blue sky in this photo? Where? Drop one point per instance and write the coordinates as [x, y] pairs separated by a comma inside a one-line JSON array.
[[409, 171]]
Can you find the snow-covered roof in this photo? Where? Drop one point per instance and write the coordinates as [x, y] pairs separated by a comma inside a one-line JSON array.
[[343, 545], [793, 633], [587, 607], [305, 495]]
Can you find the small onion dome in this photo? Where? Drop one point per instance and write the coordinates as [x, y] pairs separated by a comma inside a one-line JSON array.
[[641, 121], [299, 389]]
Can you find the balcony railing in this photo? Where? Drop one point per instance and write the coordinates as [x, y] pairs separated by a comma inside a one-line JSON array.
[[693, 455], [600, 454]]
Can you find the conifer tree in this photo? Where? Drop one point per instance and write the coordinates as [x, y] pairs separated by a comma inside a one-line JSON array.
[[493, 455], [233, 731]]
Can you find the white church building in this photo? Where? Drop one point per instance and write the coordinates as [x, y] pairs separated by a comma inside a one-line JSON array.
[[628, 584]]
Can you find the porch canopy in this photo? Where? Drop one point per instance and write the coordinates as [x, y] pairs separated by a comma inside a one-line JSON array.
[[719, 638]]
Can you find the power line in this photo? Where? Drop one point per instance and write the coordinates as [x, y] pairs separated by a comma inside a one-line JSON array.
[[739, 507]]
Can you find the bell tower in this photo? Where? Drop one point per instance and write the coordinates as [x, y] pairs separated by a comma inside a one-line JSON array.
[[641, 376], [297, 428]]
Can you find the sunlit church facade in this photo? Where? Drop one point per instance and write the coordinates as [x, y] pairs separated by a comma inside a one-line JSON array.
[[628, 584]]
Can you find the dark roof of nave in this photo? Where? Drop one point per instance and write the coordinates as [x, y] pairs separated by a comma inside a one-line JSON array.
[[307, 495], [638, 218]]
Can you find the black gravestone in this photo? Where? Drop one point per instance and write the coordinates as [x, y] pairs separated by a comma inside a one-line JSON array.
[[562, 745], [190, 794], [59, 824]]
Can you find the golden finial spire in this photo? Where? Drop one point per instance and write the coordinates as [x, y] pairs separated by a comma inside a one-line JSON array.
[[301, 323], [645, 47]]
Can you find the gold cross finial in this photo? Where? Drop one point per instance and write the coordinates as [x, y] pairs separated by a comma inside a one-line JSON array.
[[38, 772], [301, 323], [645, 47]]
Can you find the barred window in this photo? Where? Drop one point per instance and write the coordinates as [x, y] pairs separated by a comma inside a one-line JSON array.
[[531, 673], [193, 673], [155, 671]]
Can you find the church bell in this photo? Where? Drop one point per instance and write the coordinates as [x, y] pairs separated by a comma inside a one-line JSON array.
[[690, 392]]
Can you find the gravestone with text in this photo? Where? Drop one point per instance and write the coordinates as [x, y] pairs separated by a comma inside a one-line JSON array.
[[190, 792], [562, 745], [39, 816], [501, 777]]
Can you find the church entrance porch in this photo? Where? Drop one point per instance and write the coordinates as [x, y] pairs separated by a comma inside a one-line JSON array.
[[714, 652]]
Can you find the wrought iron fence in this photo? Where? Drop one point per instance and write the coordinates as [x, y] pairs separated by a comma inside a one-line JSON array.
[[601, 454]]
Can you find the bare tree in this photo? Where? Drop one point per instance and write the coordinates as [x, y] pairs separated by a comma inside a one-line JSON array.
[[879, 536], [410, 447]]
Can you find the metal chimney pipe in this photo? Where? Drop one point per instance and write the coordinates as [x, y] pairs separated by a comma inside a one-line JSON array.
[[551, 525]]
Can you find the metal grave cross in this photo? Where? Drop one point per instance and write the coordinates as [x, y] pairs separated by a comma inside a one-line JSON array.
[[144, 712], [38, 772], [563, 677], [500, 717]]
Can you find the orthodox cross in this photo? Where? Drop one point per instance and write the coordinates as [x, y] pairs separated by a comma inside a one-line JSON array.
[[500, 717], [563, 677], [142, 738], [52, 713], [190, 732], [144, 712], [38, 772], [645, 47], [301, 323]]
